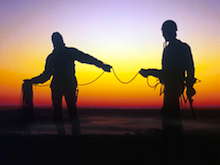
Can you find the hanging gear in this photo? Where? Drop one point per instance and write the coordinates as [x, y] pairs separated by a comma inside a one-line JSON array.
[[190, 92], [27, 111]]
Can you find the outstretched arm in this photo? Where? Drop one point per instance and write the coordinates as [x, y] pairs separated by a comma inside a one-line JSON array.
[[106, 67], [88, 59], [151, 72]]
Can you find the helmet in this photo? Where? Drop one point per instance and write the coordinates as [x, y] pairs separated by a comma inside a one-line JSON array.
[[169, 25]]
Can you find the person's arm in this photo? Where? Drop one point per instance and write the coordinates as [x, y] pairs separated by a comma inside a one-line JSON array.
[[152, 72], [43, 77], [190, 79], [144, 72], [86, 58]]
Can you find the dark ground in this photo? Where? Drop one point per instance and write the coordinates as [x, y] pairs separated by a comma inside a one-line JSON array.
[[197, 147], [201, 146]]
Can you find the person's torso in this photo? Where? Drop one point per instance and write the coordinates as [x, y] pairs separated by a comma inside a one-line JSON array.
[[174, 63], [62, 64]]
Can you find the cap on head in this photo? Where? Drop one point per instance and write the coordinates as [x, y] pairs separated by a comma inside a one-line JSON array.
[[169, 25], [57, 39]]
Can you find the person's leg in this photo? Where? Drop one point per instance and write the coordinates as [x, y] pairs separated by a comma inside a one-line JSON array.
[[58, 119], [72, 109], [172, 125], [171, 118]]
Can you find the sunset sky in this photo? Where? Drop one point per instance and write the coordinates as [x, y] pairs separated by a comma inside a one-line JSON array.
[[123, 33]]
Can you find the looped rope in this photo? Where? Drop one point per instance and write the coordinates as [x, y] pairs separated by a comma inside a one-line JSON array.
[[151, 85], [155, 86], [123, 81]]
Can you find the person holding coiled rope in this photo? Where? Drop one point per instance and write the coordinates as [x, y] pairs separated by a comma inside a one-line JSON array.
[[177, 73], [60, 65]]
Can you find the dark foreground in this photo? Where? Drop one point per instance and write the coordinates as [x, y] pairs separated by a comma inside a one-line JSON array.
[[110, 137], [150, 147]]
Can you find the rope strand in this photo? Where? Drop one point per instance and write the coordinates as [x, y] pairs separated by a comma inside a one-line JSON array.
[[123, 81], [97, 79], [93, 80], [151, 85], [78, 84]]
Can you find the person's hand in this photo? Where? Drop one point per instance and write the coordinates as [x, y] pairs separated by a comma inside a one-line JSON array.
[[106, 67], [144, 72]]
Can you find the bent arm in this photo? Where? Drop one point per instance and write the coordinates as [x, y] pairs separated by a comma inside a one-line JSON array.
[[190, 79], [43, 77]]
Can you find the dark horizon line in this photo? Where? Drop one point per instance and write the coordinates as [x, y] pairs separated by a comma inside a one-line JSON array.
[[13, 107]]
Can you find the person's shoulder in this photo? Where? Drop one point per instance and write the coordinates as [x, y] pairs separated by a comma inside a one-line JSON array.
[[71, 49], [74, 51], [184, 44], [50, 56]]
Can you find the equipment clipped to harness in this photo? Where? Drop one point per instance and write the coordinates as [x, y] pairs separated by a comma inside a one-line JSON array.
[[76, 94], [27, 111], [187, 84]]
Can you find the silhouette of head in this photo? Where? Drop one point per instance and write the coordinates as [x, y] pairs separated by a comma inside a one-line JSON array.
[[169, 29], [57, 40]]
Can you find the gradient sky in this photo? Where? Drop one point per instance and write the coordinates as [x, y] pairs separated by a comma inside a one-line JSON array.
[[123, 33]]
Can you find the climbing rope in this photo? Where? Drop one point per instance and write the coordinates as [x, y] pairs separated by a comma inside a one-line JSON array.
[[151, 85], [123, 81], [155, 86], [97, 79], [93, 80], [36, 85]]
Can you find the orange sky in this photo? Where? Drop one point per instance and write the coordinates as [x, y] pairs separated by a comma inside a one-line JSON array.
[[124, 34]]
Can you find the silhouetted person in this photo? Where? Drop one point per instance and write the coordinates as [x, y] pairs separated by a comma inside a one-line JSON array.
[[177, 72], [60, 65]]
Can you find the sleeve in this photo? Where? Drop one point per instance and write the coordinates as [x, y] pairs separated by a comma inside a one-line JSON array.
[[88, 59], [162, 61], [190, 80], [43, 77]]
